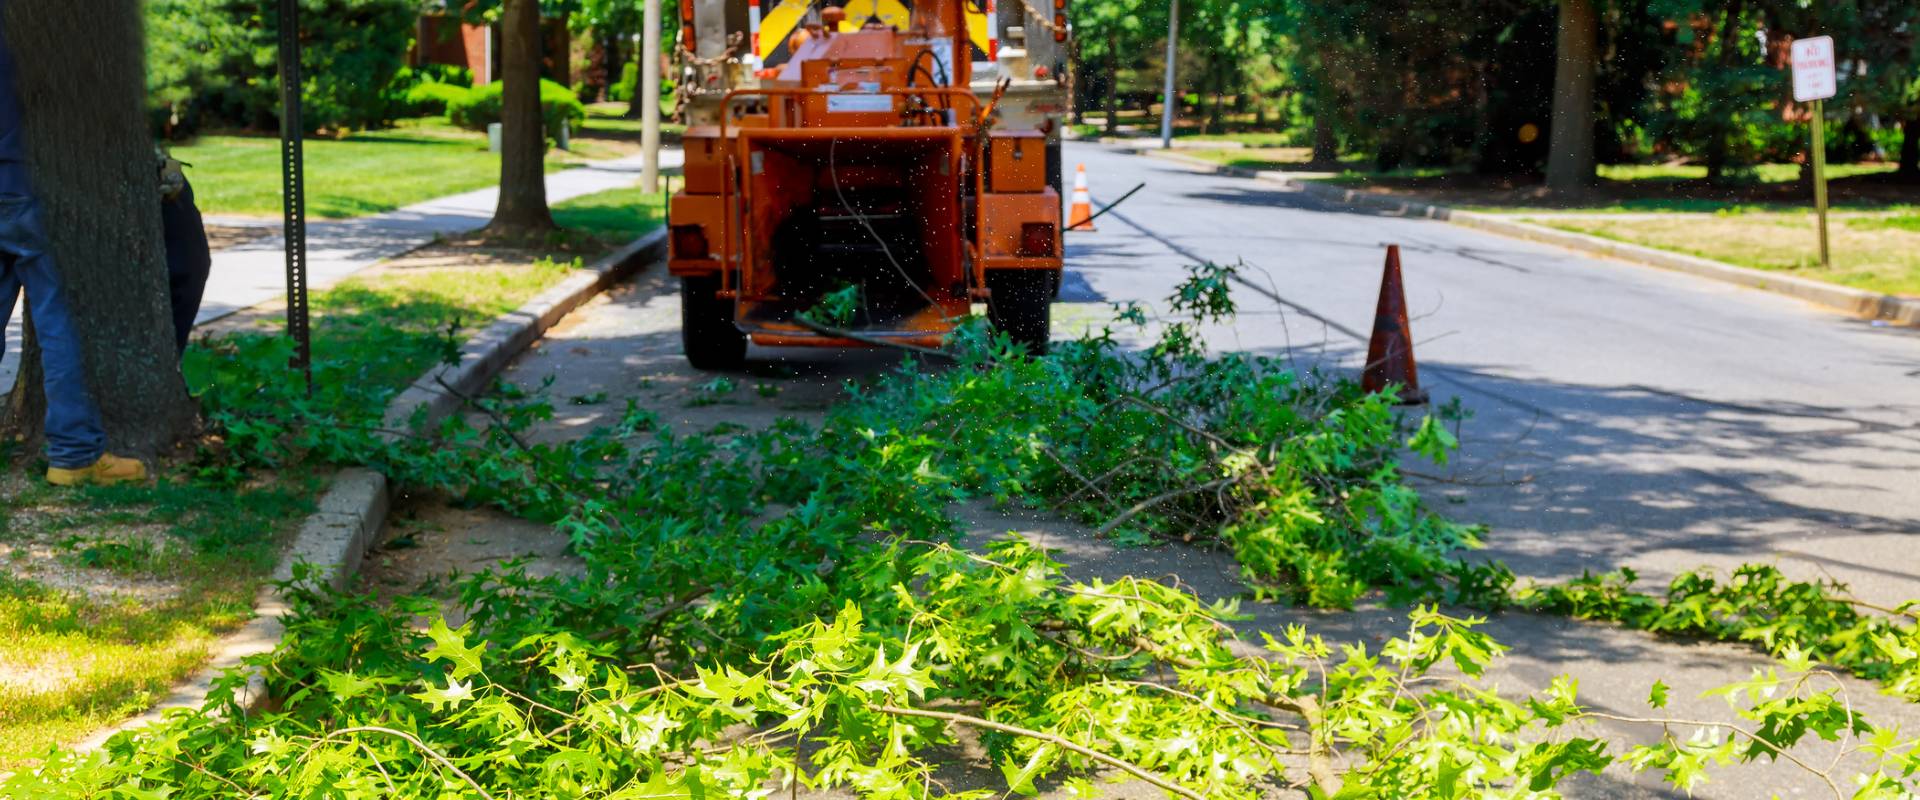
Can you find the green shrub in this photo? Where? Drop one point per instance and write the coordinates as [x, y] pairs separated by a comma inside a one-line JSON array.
[[480, 107], [433, 97], [213, 62], [629, 78]]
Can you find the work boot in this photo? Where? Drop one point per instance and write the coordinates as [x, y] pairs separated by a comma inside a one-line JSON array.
[[108, 470]]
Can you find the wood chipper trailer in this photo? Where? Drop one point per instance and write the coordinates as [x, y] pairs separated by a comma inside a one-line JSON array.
[[867, 157]]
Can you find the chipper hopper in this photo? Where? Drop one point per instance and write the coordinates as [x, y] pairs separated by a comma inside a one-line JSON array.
[[865, 166]]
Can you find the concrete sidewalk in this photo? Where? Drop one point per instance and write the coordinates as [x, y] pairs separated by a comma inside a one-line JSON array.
[[255, 272]]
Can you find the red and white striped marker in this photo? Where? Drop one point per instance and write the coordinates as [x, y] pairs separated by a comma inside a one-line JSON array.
[[753, 33], [993, 33]]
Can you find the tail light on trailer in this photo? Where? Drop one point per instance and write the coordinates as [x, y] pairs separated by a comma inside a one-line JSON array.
[[1036, 239], [689, 241], [1059, 20]]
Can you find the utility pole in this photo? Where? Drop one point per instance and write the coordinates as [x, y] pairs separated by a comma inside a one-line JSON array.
[[1173, 49], [650, 100]]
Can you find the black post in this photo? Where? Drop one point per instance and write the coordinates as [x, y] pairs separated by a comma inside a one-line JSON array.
[[293, 190]]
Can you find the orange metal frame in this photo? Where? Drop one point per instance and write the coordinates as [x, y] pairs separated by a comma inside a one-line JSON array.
[[736, 199]]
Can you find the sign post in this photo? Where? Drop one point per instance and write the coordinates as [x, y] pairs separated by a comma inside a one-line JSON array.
[[1814, 81], [293, 190]]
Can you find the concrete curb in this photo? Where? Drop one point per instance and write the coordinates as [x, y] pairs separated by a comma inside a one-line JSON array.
[[441, 391], [353, 511], [1857, 302]]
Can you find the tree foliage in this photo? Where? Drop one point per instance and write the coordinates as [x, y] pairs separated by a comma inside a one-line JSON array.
[[216, 62], [765, 610], [1453, 83]]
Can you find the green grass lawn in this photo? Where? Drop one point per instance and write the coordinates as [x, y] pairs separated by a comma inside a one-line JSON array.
[[70, 665], [366, 173], [1879, 253], [615, 215], [1284, 139], [1285, 159]]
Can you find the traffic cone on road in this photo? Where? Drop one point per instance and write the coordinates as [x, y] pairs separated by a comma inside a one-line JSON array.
[[1080, 216], [1390, 353]]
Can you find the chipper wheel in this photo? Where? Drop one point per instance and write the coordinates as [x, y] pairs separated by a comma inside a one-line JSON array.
[[1021, 306], [706, 326]]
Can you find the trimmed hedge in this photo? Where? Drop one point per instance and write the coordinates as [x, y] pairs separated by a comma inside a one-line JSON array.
[[479, 107]]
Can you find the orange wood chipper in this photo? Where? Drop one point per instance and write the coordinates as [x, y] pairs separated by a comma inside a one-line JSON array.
[[866, 148]]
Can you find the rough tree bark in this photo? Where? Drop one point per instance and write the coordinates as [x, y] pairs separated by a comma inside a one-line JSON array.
[[1910, 148], [92, 162], [1113, 84], [1570, 156], [522, 212]]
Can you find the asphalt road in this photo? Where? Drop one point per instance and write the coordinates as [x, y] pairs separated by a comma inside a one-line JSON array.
[[1623, 415]]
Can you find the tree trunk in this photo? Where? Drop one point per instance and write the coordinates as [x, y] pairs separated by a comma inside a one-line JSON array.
[[616, 60], [1910, 148], [1320, 101], [1718, 146], [1113, 84], [91, 158], [523, 208], [1570, 156], [594, 81], [1218, 77]]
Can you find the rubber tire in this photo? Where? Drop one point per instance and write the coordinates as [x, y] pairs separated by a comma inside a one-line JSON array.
[[1021, 306], [707, 332]]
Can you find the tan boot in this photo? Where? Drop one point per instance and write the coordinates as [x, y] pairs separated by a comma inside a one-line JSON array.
[[107, 471]]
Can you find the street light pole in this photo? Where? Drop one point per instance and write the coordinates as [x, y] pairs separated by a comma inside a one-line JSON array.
[[1169, 104], [650, 100]]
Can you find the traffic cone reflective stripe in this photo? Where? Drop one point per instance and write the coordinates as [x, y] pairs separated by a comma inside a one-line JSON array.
[[1390, 353], [1082, 209]]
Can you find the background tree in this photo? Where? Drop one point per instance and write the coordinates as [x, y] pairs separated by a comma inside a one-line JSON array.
[[1570, 160], [522, 211], [214, 62], [611, 24], [1112, 36], [92, 161]]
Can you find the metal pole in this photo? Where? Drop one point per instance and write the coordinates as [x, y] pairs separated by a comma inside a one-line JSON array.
[[293, 191], [1173, 44], [650, 100], [1820, 176], [1172, 104]]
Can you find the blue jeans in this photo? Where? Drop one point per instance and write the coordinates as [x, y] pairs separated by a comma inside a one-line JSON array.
[[74, 435]]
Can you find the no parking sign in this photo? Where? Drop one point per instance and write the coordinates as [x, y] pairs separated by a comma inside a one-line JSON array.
[[1814, 82], [1813, 74]]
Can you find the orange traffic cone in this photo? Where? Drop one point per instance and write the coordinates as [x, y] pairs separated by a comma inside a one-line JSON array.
[[1080, 216], [1390, 354]]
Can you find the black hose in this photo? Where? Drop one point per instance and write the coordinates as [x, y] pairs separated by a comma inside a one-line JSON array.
[[1109, 207]]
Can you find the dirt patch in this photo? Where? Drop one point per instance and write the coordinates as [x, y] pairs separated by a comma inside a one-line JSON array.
[[39, 543], [430, 543]]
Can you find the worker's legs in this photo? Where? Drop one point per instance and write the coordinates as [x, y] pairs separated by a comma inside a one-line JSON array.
[[75, 438]]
